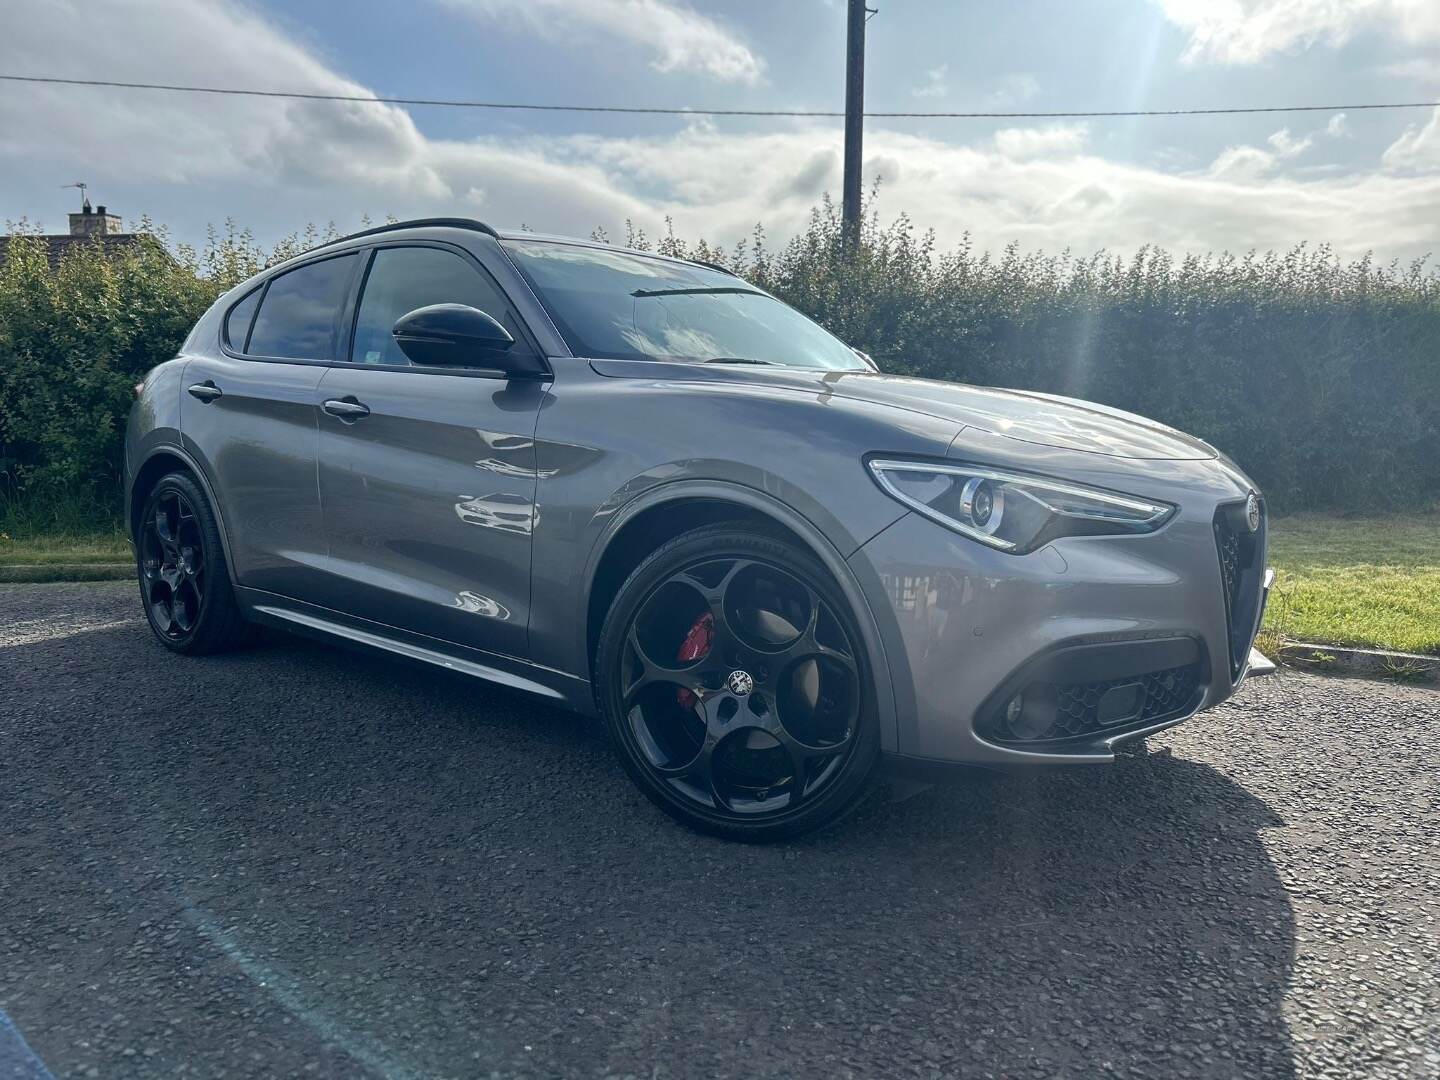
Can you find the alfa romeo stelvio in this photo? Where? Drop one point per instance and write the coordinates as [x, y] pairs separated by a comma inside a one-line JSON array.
[[644, 489]]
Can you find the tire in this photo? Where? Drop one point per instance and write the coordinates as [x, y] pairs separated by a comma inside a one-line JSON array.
[[185, 582], [734, 686]]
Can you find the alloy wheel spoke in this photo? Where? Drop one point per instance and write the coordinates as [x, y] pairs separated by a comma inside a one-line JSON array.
[[165, 531], [699, 774], [808, 644], [187, 612], [802, 758], [650, 672], [724, 641], [160, 610]]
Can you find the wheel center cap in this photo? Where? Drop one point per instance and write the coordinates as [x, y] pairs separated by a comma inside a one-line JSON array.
[[739, 683]]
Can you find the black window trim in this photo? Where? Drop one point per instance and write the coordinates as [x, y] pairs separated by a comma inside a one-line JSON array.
[[264, 288], [351, 312], [259, 293]]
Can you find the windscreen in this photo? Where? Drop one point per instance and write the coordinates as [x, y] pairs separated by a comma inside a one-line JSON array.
[[618, 306]]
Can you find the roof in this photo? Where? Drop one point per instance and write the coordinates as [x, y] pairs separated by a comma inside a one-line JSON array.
[[56, 246]]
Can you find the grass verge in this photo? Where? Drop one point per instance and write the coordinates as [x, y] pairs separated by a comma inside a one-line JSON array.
[[1372, 582], [94, 556]]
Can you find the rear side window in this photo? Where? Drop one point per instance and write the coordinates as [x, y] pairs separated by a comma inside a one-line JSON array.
[[237, 325], [402, 279], [299, 319]]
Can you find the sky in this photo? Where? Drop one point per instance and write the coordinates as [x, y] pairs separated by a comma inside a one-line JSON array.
[[1360, 181]]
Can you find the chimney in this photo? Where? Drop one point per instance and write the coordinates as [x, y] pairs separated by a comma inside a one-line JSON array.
[[94, 223]]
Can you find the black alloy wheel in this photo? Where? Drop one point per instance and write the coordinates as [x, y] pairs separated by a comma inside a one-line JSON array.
[[184, 582], [735, 687], [172, 565]]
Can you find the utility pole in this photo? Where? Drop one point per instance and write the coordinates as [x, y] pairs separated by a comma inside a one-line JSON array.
[[854, 120]]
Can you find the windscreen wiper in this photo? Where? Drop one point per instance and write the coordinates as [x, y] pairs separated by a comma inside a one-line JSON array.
[[741, 360], [719, 290]]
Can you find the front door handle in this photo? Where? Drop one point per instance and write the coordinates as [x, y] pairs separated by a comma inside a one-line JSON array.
[[347, 409], [206, 391]]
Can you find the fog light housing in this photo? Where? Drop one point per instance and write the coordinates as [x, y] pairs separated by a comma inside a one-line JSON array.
[[1030, 716]]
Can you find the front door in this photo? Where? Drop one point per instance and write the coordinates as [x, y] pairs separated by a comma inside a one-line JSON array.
[[427, 477]]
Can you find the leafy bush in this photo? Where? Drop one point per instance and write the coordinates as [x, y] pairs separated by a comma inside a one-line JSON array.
[[1320, 377], [75, 339]]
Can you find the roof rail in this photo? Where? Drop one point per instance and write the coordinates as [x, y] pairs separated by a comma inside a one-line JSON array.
[[709, 265], [421, 223]]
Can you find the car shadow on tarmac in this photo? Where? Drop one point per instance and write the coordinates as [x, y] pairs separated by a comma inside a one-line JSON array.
[[393, 866]]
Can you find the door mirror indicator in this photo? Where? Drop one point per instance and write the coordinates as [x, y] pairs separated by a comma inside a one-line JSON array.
[[457, 335]]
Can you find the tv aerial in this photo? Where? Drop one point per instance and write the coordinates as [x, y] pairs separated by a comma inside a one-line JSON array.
[[84, 198]]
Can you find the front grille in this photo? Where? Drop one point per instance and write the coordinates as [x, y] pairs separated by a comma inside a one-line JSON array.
[[1241, 554], [1229, 544], [1078, 711]]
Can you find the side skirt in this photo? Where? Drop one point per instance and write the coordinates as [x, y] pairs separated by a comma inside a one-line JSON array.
[[313, 621]]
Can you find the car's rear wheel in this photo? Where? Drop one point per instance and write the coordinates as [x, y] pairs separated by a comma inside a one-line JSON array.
[[184, 581], [735, 687]]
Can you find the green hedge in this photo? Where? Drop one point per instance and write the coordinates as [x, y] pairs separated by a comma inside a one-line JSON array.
[[1320, 377], [74, 340]]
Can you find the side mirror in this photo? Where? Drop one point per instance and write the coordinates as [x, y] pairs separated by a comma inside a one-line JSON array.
[[457, 335]]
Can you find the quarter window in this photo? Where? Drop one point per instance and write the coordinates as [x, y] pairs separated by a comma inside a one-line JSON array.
[[402, 279], [237, 324], [299, 319]]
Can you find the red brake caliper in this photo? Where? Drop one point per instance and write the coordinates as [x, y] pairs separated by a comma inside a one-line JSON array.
[[695, 645]]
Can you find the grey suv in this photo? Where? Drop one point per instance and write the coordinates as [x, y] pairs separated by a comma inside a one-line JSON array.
[[644, 489]]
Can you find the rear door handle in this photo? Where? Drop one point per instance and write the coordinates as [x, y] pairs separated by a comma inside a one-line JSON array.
[[206, 391], [347, 409]]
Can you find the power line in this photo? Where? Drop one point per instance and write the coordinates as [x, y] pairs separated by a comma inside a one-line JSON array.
[[366, 99]]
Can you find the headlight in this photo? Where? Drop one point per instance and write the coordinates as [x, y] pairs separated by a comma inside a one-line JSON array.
[[1011, 511]]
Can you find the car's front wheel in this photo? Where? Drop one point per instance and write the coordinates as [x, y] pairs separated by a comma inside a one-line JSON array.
[[735, 687], [184, 581]]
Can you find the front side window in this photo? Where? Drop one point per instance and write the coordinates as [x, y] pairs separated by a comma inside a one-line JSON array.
[[619, 306], [299, 318], [402, 279]]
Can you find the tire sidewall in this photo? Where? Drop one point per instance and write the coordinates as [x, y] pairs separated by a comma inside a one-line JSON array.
[[719, 543]]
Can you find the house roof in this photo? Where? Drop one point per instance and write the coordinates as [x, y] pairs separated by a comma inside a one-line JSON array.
[[56, 246]]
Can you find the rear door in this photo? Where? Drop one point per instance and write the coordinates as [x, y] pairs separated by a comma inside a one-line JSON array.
[[427, 476], [249, 414]]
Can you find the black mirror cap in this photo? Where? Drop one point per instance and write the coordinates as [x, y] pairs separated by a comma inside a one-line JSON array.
[[457, 335]]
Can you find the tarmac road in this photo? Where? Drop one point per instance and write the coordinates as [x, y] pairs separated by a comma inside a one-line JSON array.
[[297, 860]]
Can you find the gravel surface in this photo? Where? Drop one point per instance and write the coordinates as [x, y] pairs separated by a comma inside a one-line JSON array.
[[298, 860]]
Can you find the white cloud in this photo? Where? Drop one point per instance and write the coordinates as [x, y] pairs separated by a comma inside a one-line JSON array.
[[1254, 163], [1029, 142], [1417, 149], [681, 39], [934, 85], [1287, 146], [1422, 69], [1338, 127], [1242, 163], [274, 164], [1015, 89], [1247, 31]]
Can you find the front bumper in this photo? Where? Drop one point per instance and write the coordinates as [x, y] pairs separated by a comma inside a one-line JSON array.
[[1118, 636]]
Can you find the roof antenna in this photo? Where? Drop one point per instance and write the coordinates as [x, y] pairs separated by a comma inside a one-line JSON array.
[[84, 198]]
